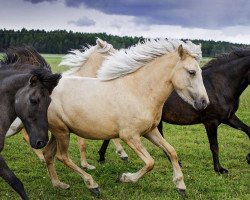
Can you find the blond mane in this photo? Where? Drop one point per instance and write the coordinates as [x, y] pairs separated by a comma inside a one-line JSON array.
[[77, 57], [126, 61]]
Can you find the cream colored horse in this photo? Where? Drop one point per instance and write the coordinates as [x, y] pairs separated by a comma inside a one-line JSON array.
[[85, 64], [125, 101]]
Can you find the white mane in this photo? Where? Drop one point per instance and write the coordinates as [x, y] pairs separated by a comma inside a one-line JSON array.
[[77, 57], [126, 61]]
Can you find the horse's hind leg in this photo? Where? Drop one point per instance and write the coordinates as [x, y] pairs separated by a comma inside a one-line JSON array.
[[178, 179], [102, 150], [49, 153], [82, 148], [63, 145], [134, 143], [119, 149], [39, 153], [235, 122], [11, 179]]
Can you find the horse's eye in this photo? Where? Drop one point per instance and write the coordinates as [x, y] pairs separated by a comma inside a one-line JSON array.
[[33, 101], [192, 72]]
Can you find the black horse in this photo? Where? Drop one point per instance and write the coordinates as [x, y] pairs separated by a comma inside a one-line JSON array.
[[25, 93], [225, 78]]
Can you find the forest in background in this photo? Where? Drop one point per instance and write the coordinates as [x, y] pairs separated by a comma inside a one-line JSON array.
[[61, 41]]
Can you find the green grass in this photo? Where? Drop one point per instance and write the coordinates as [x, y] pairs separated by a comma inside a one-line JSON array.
[[189, 141]]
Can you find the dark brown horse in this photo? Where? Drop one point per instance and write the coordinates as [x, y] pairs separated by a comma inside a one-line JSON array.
[[225, 78], [25, 93]]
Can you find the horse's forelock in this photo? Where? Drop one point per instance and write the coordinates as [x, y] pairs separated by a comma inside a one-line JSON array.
[[48, 79]]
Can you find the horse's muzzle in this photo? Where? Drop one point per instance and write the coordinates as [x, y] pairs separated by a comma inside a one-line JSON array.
[[201, 104]]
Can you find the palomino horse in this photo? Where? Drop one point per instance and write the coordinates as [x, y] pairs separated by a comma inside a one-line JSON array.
[[84, 64], [224, 90], [25, 91], [125, 101]]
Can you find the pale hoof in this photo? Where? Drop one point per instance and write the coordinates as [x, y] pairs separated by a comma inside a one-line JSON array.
[[124, 159], [61, 185], [95, 191], [126, 178], [181, 192], [88, 166], [42, 159]]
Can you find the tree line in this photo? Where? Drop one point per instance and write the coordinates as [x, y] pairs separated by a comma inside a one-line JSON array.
[[61, 41]]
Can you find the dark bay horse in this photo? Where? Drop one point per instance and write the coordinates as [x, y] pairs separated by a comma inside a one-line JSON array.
[[225, 78], [25, 93]]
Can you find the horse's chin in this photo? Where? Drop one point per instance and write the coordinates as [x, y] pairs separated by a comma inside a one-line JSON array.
[[187, 99]]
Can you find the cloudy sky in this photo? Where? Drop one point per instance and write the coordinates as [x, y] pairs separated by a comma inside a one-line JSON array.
[[227, 20]]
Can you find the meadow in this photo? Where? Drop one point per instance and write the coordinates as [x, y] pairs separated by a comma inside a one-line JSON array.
[[190, 142]]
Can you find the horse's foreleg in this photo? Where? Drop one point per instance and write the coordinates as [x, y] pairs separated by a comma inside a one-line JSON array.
[[102, 150], [82, 148], [119, 149], [5, 171], [39, 153], [211, 129], [11, 179], [49, 153], [134, 143], [63, 145], [156, 138], [235, 122]]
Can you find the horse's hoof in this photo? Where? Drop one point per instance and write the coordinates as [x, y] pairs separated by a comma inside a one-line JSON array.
[[125, 159], [248, 158], [181, 192], [62, 185], [222, 171], [102, 160], [95, 191], [87, 166], [118, 180]]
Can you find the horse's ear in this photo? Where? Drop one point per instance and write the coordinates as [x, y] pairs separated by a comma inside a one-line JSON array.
[[100, 42], [181, 52], [33, 80], [52, 83]]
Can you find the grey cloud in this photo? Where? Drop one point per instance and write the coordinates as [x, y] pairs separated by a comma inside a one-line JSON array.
[[84, 21], [193, 13], [39, 1]]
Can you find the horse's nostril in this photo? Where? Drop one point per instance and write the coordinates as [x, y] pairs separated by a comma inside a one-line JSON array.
[[40, 144], [204, 102]]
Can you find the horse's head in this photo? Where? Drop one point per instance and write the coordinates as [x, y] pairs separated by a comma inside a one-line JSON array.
[[187, 80], [32, 102]]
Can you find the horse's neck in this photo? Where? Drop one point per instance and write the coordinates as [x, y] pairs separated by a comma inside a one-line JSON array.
[[152, 82], [234, 74], [90, 67]]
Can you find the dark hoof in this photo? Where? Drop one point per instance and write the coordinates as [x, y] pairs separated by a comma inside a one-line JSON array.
[[102, 161], [95, 191], [118, 180], [181, 192], [248, 158], [124, 159], [222, 171]]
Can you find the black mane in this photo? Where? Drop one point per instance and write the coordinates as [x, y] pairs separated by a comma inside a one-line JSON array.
[[15, 57], [225, 58]]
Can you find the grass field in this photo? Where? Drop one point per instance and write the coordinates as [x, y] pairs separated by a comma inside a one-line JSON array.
[[189, 141]]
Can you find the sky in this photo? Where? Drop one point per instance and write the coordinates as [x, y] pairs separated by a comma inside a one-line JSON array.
[[224, 20]]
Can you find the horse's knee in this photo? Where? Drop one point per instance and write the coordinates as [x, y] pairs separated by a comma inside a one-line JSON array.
[[150, 164]]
